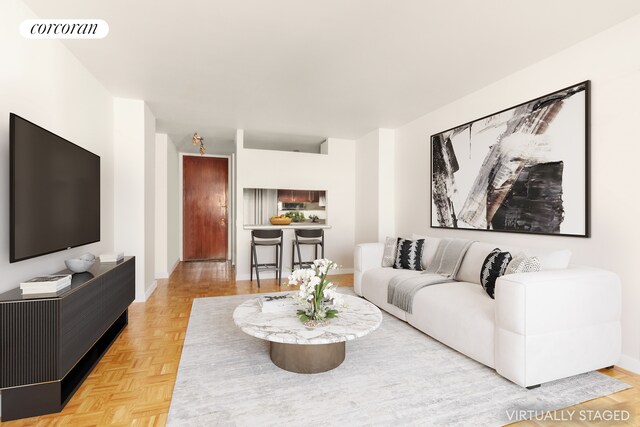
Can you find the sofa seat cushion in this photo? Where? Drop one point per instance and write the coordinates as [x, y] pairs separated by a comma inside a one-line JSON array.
[[375, 283], [458, 314]]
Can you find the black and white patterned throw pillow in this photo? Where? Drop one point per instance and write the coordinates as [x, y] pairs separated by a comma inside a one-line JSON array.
[[494, 266], [409, 254]]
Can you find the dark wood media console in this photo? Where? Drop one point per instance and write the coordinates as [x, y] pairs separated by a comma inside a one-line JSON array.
[[50, 343]]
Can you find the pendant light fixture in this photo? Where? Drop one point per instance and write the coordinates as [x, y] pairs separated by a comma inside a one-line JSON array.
[[197, 139]]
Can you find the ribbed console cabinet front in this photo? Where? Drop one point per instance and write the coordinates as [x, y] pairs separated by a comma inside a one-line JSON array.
[[50, 343]]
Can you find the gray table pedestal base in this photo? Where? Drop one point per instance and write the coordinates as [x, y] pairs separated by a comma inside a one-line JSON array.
[[307, 358]]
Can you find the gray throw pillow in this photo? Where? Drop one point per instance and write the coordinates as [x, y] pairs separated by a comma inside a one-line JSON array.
[[523, 264], [390, 248]]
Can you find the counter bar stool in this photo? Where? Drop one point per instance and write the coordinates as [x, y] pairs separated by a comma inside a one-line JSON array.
[[266, 238], [306, 236]]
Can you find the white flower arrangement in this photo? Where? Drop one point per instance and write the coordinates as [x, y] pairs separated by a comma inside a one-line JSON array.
[[317, 295]]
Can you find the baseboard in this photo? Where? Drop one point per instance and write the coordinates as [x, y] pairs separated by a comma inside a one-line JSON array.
[[286, 272], [165, 274], [629, 363], [150, 291], [264, 275], [147, 294], [175, 264]]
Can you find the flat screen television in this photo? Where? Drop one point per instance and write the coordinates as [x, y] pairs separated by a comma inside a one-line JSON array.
[[54, 190]]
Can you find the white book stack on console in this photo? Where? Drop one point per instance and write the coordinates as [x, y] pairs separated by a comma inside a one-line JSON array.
[[112, 257], [46, 284]]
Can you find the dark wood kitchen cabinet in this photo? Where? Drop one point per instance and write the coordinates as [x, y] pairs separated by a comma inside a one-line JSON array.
[[294, 196], [285, 196]]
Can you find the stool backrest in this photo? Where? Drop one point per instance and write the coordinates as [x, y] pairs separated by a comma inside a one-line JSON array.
[[307, 233], [266, 234]]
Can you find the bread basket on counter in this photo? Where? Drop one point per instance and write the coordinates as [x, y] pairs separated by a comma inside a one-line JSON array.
[[275, 220]]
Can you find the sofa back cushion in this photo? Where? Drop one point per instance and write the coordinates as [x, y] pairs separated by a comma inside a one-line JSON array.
[[430, 248], [478, 252], [473, 261]]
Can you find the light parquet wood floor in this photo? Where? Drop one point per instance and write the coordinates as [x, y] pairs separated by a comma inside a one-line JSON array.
[[133, 383]]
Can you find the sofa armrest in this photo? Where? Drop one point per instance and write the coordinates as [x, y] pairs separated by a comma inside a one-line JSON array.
[[365, 257], [555, 324], [548, 301]]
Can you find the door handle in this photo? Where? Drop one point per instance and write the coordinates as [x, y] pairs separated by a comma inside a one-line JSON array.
[[223, 222]]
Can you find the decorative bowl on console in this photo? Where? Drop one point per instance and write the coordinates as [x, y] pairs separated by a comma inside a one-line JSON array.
[[80, 264]]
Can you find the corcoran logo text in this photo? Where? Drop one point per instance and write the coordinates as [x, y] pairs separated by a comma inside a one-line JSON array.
[[64, 29]]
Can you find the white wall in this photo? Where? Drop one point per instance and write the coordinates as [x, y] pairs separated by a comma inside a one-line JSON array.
[[611, 62], [166, 206], [161, 268], [134, 202], [149, 200], [333, 172], [173, 206], [366, 197], [375, 186], [43, 82], [386, 183]]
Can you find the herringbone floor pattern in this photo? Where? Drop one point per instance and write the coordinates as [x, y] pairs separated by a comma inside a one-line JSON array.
[[133, 383]]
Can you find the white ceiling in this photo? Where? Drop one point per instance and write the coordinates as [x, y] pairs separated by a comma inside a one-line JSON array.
[[338, 68]]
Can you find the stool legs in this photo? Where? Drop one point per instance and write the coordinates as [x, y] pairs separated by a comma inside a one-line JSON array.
[[293, 252], [299, 255], [280, 265], [255, 264], [295, 249]]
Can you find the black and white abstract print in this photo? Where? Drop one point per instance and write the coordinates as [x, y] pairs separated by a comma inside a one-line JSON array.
[[521, 170]]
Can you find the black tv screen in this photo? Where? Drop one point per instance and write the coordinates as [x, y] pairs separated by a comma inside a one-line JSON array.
[[55, 192]]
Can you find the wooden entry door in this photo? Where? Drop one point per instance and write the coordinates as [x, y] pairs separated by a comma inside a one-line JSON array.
[[205, 224]]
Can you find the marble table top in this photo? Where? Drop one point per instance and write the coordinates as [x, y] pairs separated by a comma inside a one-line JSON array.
[[356, 318]]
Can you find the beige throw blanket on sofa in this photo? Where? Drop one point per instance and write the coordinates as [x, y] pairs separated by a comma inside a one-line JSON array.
[[444, 267]]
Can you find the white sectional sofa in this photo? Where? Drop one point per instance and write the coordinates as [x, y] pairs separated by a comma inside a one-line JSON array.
[[542, 326]]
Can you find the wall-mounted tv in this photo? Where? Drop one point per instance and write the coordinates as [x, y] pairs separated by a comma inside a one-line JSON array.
[[54, 190]]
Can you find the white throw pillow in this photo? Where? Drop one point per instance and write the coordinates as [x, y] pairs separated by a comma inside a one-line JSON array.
[[557, 260]]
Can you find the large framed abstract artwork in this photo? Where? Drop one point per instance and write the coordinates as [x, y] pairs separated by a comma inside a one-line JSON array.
[[524, 169]]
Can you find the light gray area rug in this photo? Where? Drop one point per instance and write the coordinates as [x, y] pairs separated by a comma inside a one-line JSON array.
[[394, 376]]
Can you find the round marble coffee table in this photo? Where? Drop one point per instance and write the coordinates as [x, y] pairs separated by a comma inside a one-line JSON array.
[[297, 348]]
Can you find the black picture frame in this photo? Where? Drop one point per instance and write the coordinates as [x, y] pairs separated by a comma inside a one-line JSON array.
[[513, 215]]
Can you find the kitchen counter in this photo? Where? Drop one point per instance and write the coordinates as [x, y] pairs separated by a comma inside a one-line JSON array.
[[292, 226]]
